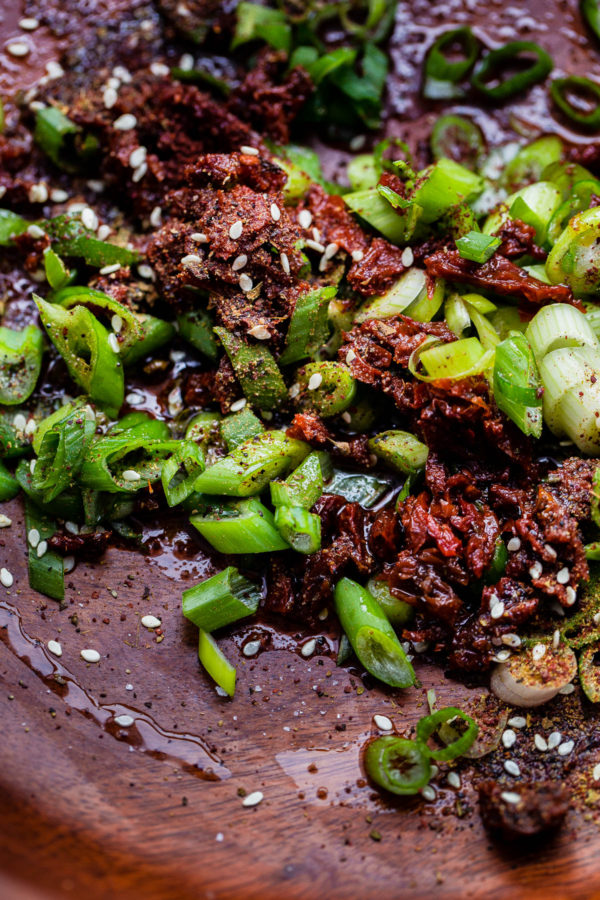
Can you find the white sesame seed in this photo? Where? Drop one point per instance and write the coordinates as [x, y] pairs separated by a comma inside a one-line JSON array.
[[294, 390], [382, 722], [54, 648], [186, 62], [315, 381], [556, 639], [191, 260], [503, 655], [554, 739], [350, 356], [512, 768], [535, 570], [122, 73], [510, 797], [323, 614], [550, 551], [146, 271], [108, 270], [453, 779], [6, 578], [567, 689], [308, 648], [596, 773], [128, 687], [239, 262], [508, 738], [125, 122], [113, 343], [5, 521], [540, 742], [275, 212], [511, 640], [28, 24], [248, 151], [2, 190], [116, 323], [221, 691], [113, 82], [253, 799], [90, 656], [571, 595], [538, 651], [251, 648], [103, 232], [331, 249], [131, 475], [304, 218], [285, 263], [30, 427], [58, 196], [68, 564], [18, 48], [137, 157], [245, 282], [134, 399], [156, 216], [563, 575], [235, 230], [35, 231], [159, 69], [514, 544], [124, 721], [38, 193], [109, 97], [428, 793], [237, 405], [199, 237], [96, 185], [596, 618], [357, 142], [346, 417], [407, 257], [315, 245], [517, 722], [150, 621], [357, 255], [497, 610], [89, 219], [33, 537], [41, 548], [139, 173], [32, 465], [219, 837], [260, 332], [19, 422], [175, 400]]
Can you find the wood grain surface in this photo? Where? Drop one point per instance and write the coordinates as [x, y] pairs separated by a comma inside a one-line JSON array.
[[92, 810]]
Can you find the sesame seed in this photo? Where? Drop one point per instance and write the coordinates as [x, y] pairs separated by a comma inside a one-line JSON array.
[[68, 564], [538, 651], [58, 196], [275, 212], [510, 797], [38, 193], [41, 548], [31, 427], [251, 648], [239, 262], [357, 255], [125, 122], [248, 151], [407, 257], [146, 271], [54, 648], [554, 740], [357, 142], [503, 655], [428, 793], [89, 219], [219, 837], [159, 69], [596, 618], [150, 622], [571, 595], [35, 231], [260, 333], [108, 270], [156, 216], [113, 82], [514, 544], [221, 692], [19, 422], [517, 722], [382, 722], [190, 260], [508, 738], [137, 157], [237, 405], [245, 282], [315, 245], [186, 62], [90, 656], [323, 614], [540, 742], [124, 721], [18, 48], [6, 578], [330, 250], [511, 640], [497, 610], [294, 390], [350, 356], [512, 768], [175, 400], [113, 343], [116, 323], [72, 527], [253, 799], [109, 97], [199, 237], [567, 689], [128, 687], [33, 537], [122, 73], [54, 70], [308, 648], [315, 381], [563, 576], [453, 779], [32, 465], [131, 475], [103, 232], [304, 218], [550, 551], [596, 773], [346, 417], [139, 173], [134, 399], [535, 571], [5, 521], [556, 639], [235, 230], [28, 24], [285, 263]]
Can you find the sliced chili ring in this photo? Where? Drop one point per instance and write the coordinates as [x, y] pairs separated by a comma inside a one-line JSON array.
[[428, 725], [498, 60], [398, 765], [578, 86]]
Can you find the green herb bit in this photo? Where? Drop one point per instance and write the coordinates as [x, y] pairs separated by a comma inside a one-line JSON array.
[[196, 327], [9, 486]]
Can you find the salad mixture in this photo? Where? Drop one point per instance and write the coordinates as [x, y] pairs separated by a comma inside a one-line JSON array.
[[376, 398]]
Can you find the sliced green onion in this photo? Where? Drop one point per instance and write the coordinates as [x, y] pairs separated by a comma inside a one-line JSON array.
[[459, 139], [240, 427], [127, 462], [251, 466], [83, 344], [326, 388], [11, 443], [529, 163], [428, 304], [428, 725], [459, 359], [442, 186], [477, 247], [372, 637], [303, 168], [60, 140], [216, 663], [579, 200], [401, 451], [561, 370], [559, 325], [57, 273], [497, 566], [60, 455], [592, 551], [397, 611], [361, 488], [590, 10], [46, 572], [299, 528], [196, 328], [398, 765], [575, 257], [501, 60], [204, 428], [442, 73], [308, 329], [67, 506], [239, 526], [303, 487], [260, 23], [20, 363], [517, 386], [362, 172], [584, 89], [535, 204], [456, 314], [225, 598], [485, 330], [9, 486], [180, 471], [410, 288], [479, 303], [577, 414], [256, 370], [397, 226]]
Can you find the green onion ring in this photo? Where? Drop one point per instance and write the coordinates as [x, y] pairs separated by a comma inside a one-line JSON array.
[[496, 61], [576, 83]]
